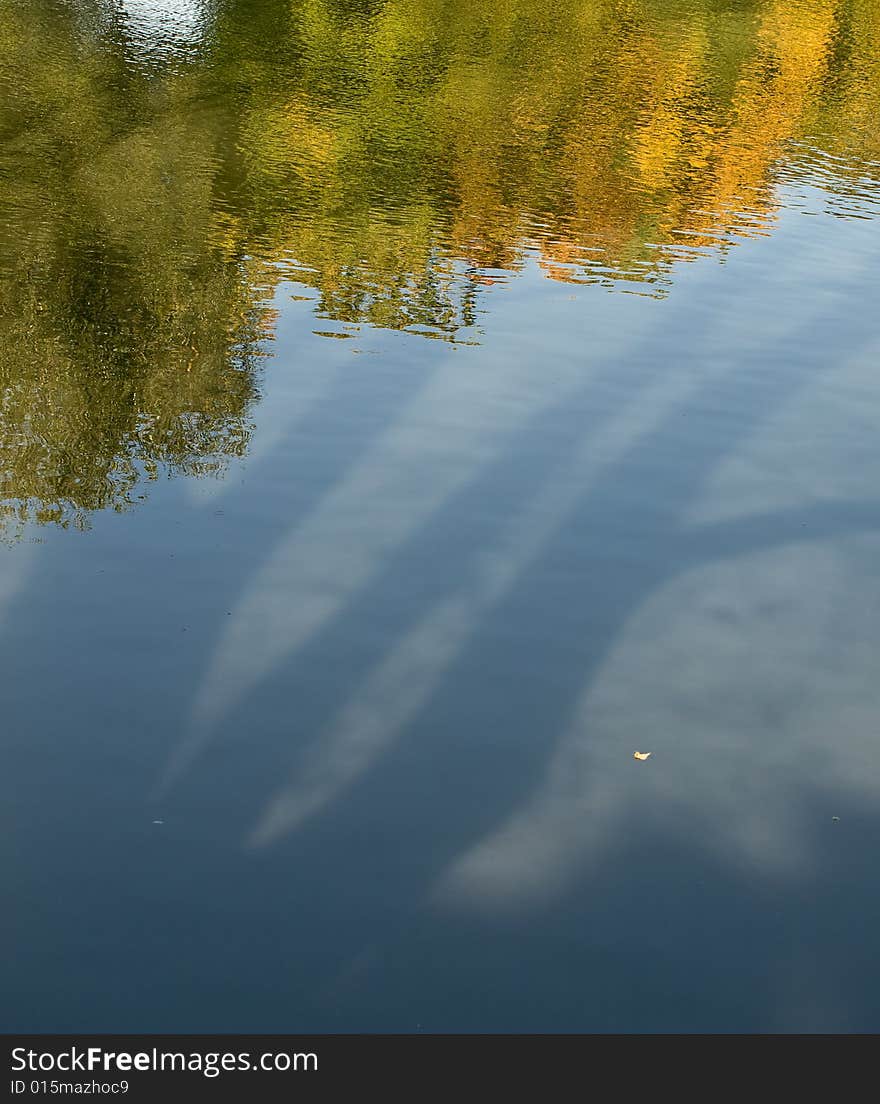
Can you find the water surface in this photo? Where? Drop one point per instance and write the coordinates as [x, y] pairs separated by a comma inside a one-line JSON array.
[[409, 411]]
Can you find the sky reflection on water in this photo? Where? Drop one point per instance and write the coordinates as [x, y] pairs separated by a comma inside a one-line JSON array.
[[378, 657]]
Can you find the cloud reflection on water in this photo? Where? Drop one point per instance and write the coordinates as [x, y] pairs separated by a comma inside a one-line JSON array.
[[764, 571]]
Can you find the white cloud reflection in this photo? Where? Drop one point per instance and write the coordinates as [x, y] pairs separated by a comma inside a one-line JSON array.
[[751, 675], [751, 681], [456, 425], [406, 678]]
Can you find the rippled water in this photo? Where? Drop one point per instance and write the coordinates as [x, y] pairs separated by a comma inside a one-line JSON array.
[[326, 647]]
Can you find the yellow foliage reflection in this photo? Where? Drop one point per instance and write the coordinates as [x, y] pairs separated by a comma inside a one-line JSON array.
[[398, 157]]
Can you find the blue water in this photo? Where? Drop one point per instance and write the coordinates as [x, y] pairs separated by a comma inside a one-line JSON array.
[[340, 737]]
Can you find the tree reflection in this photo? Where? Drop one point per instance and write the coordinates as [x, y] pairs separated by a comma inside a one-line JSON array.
[[397, 157], [127, 330]]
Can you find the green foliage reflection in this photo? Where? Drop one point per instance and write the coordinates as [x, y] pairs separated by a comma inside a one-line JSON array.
[[398, 156]]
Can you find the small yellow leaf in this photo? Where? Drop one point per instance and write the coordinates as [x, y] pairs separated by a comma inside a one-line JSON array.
[[643, 755]]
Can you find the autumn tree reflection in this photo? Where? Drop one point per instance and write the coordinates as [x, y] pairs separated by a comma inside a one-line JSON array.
[[397, 157], [613, 139]]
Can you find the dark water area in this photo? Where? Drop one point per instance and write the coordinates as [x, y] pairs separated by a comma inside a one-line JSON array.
[[408, 411]]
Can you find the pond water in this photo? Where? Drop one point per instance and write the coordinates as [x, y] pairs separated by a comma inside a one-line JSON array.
[[410, 410]]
